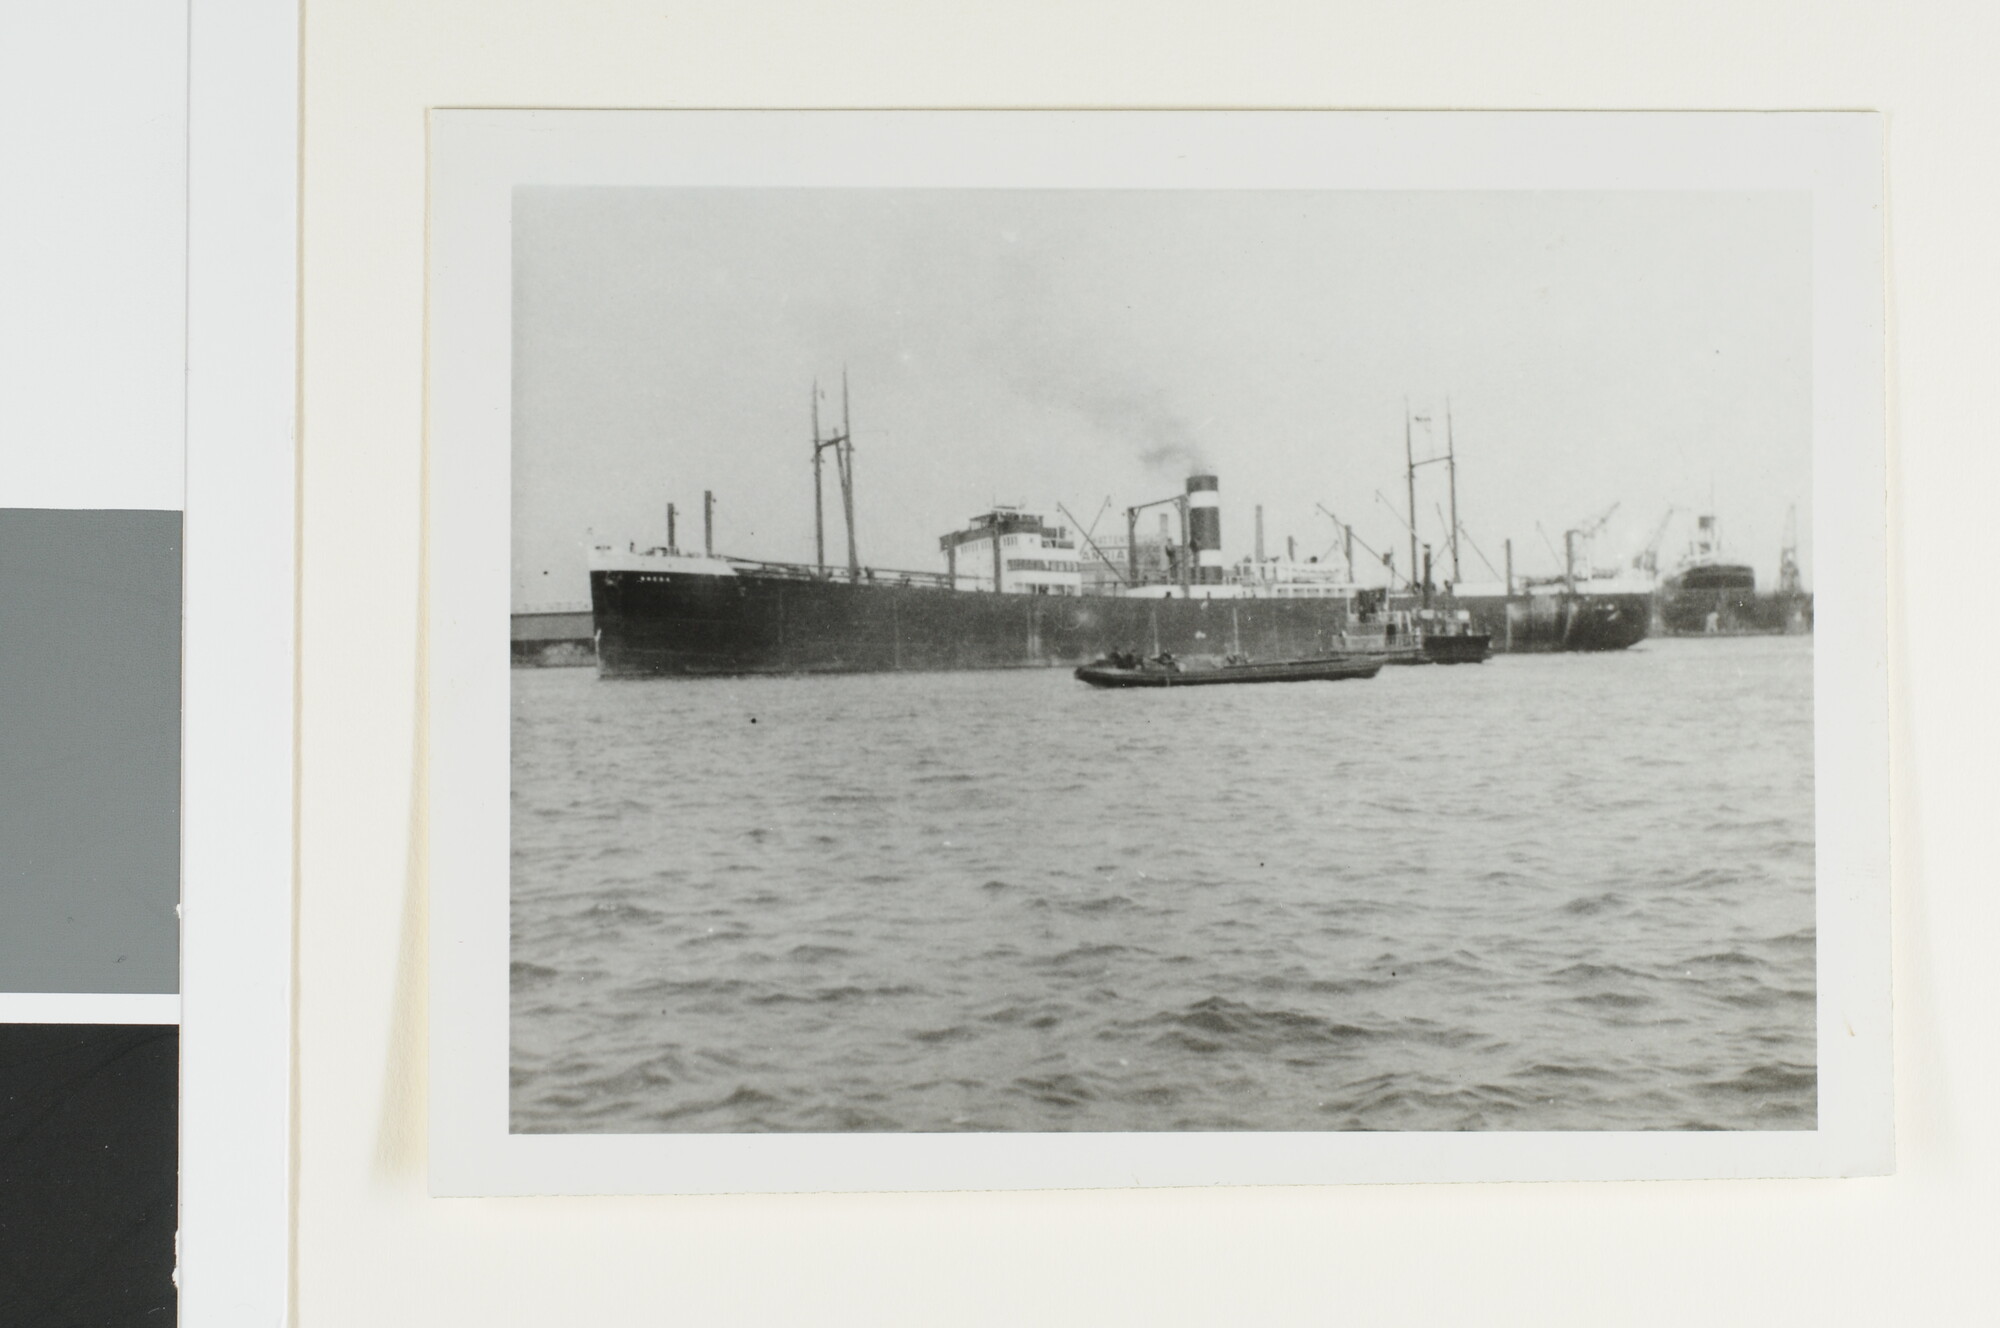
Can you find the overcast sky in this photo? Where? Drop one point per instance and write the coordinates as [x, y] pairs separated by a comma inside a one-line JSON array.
[[1646, 349]]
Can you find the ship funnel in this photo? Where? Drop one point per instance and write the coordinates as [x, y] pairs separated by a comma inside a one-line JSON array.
[[1205, 528]]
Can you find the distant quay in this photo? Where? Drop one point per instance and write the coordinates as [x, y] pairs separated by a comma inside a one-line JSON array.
[[553, 636]]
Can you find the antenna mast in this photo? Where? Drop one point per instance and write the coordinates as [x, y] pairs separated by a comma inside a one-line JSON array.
[[842, 444], [819, 490], [846, 456], [1410, 477], [1451, 470]]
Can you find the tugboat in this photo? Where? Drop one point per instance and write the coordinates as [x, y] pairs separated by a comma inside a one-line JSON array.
[[1413, 636], [1123, 670], [1447, 637]]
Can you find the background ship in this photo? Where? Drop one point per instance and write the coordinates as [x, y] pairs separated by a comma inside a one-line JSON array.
[[1713, 595], [1019, 592]]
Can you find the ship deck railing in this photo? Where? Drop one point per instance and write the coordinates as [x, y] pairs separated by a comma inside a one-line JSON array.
[[869, 576]]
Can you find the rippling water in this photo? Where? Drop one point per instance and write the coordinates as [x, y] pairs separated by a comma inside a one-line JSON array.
[[1548, 892]]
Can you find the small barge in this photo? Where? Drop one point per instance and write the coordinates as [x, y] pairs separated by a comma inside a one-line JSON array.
[[1166, 671]]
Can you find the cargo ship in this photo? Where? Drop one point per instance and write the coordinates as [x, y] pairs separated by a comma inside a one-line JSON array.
[[1709, 594], [1019, 592]]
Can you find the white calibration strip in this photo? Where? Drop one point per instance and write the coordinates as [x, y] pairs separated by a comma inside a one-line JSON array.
[[75, 1007]]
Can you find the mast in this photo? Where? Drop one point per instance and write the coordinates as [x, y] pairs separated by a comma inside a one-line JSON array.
[[819, 490], [845, 455], [1451, 471], [1410, 477]]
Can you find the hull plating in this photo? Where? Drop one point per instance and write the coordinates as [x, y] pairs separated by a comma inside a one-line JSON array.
[[663, 623], [650, 624], [1685, 612], [1543, 623]]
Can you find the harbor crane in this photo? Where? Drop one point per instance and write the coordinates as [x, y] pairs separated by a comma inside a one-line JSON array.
[[1647, 560], [1590, 529], [1582, 535], [1789, 582], [1179, 503]]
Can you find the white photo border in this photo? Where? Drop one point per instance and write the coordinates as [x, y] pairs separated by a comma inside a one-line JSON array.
[[238, 699], [479, 157]]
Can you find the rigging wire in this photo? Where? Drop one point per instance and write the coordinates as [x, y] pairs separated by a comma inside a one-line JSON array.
[[1115, 570], [1552, 548], [1466, 535], [1385, 559]]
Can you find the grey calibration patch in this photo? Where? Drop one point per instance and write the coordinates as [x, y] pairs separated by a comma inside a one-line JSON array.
[[90, 750]]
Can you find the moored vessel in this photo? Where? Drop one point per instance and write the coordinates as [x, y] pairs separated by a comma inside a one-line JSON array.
[[1710, 594], [1017, 591]]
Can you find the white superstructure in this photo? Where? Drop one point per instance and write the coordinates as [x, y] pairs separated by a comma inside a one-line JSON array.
[[1011, 551]]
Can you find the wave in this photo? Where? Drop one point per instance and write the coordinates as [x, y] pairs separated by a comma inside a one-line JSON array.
[[1588, 972], [831, 995], [1057, 1090], [1219, 1024], [740, 1103], [1770, 998], [1784, 1083], [1101, 904], [1723, 959], [1614, 1000], [953, 1033], [1085, 953], [612, 911], [1586, 906]]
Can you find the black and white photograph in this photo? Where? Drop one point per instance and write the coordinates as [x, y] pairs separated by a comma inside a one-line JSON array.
[[893, 570], [1149, 661]]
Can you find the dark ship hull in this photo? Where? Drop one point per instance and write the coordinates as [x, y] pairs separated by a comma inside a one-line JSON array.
[[667, 623], [1537, 623], [680, 624], [1715, 598], [1462, 648], [1685, 612]]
